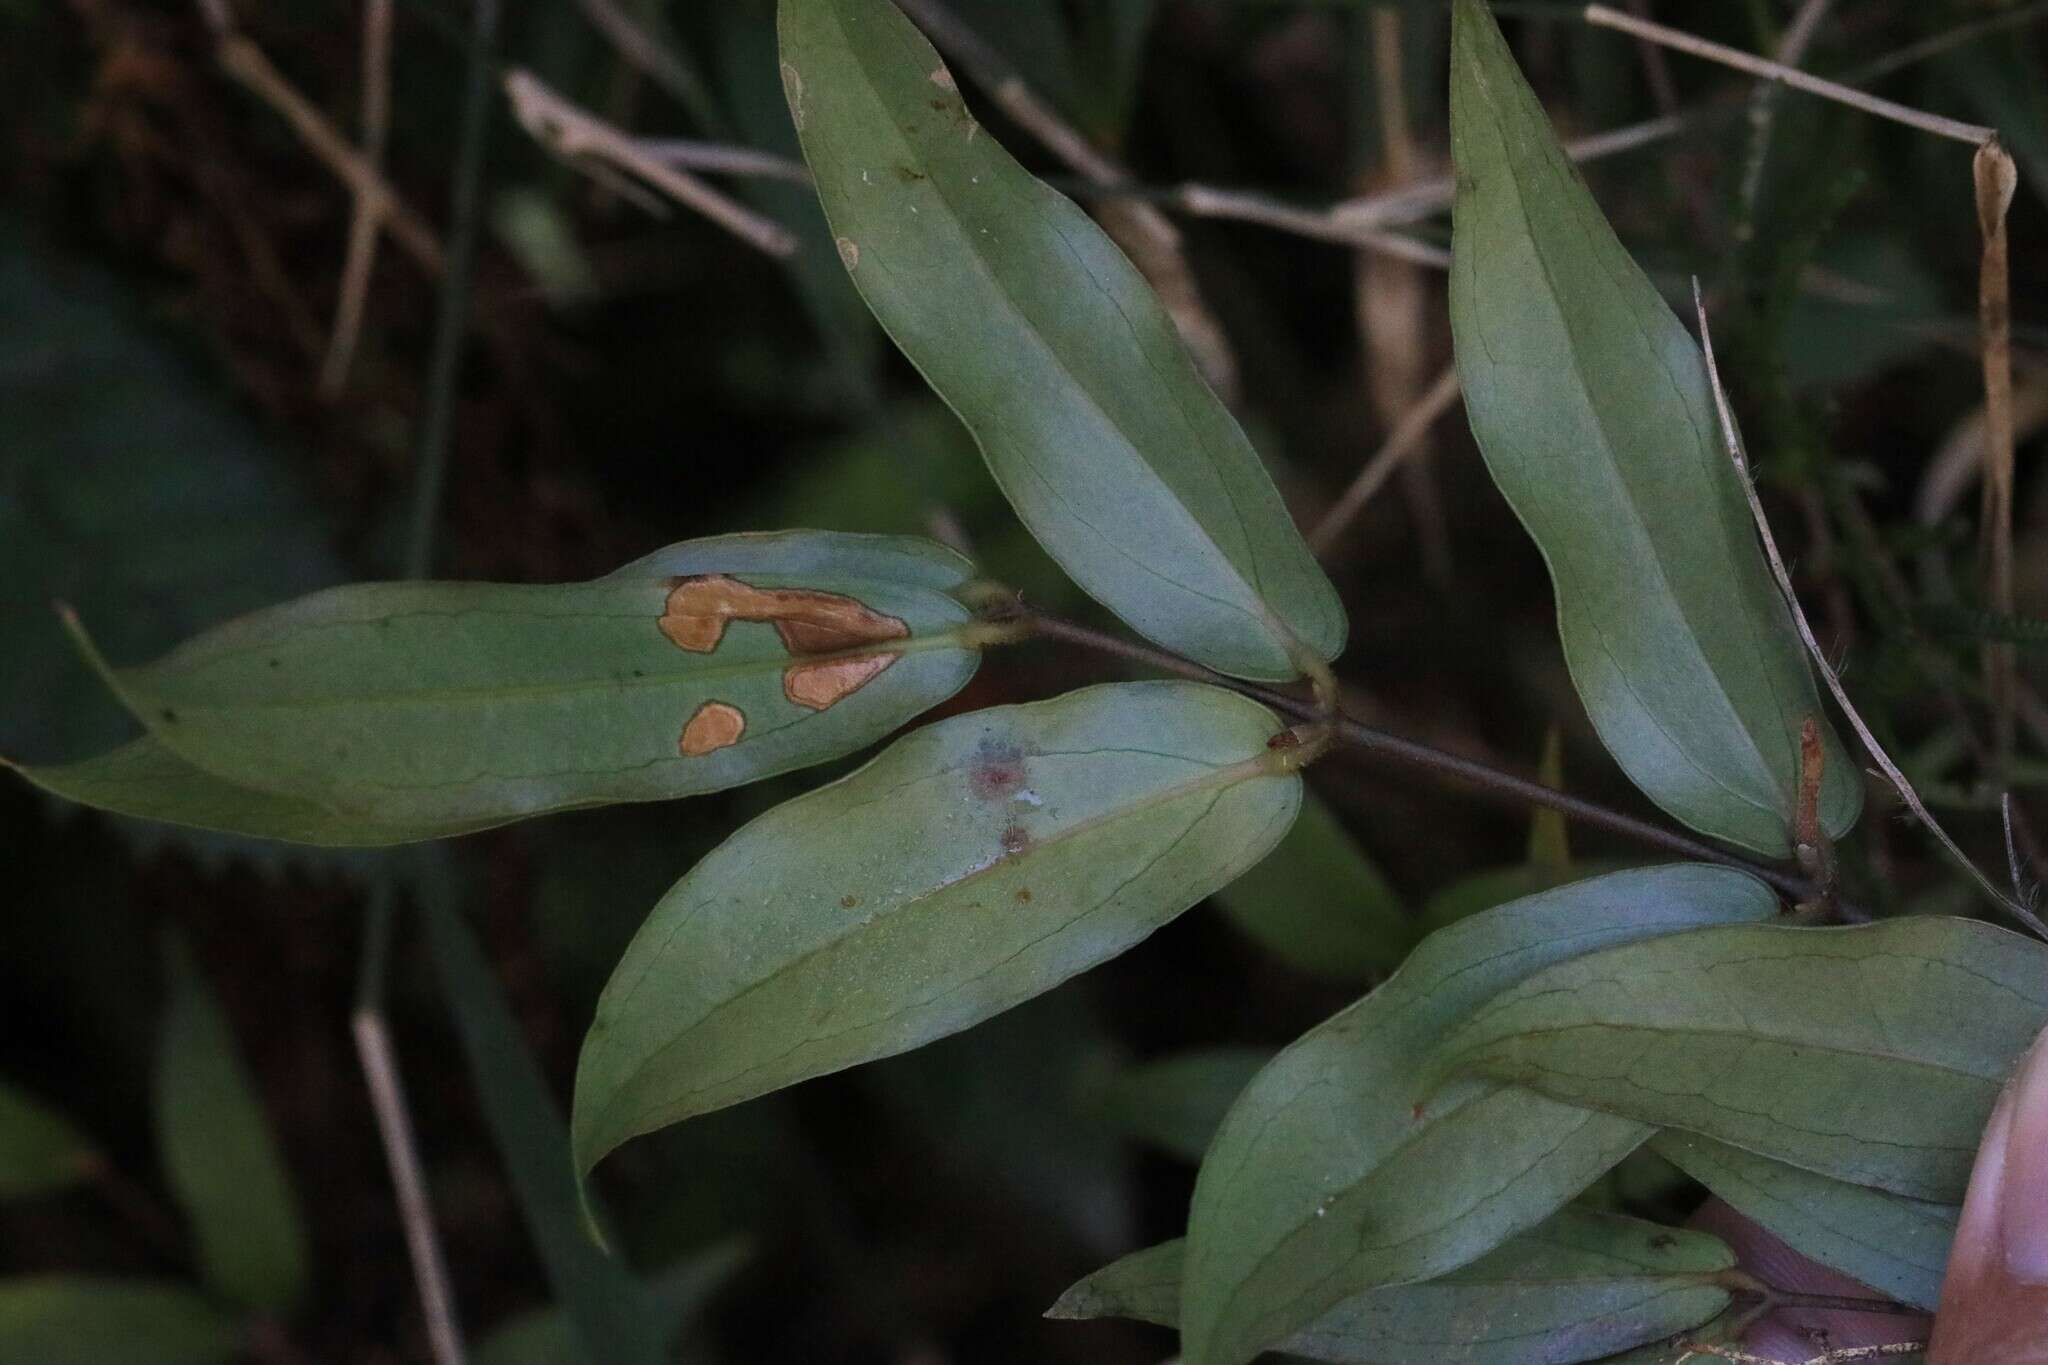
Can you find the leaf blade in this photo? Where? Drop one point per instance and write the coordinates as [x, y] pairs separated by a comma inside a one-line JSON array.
[[1336, 1170], [1895, 1245], [608, 1312], [1026, 844], [85, 1320], [1869, 1054], [439, 707], [1024, 317], [1577, 1286], [219, 1155], [40, 1151], [1591, 405]]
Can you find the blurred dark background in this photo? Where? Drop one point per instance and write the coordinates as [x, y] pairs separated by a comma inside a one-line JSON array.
[[171, 257]]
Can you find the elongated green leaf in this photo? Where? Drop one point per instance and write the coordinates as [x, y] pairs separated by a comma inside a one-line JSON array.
[[1590, 402], [1897, 1246], [1870, 1054], [546, 1336], [1337, 1171], [1035, 329], [39, 1149], [610, 1314], [1178, 1101], [144, 779], [972, 865], [77, 1320], [430, 707], [218, 1153], [1577, 1286], [1318, 904]]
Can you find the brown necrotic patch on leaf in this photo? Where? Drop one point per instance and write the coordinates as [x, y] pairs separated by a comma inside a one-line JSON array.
[[819, 685], [813, 625], [715, 725]]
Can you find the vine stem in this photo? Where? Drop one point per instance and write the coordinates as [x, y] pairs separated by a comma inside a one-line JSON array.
[[1488, 781]]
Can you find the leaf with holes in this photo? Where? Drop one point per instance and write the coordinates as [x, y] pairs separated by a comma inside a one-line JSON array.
[[1869, 1054], [1577, 1286], [390, 711], [1591, 404], [974, 864], [1026, 319], [1338, 1170]]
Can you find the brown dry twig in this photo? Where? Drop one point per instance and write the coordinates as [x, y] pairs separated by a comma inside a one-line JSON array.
[[365, 221], [579, 136], [1891, 770], [1996, 179], [240, 58]]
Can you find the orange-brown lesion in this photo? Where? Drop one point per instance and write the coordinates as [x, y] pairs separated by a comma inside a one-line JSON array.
[[714, 725], [810, 624]]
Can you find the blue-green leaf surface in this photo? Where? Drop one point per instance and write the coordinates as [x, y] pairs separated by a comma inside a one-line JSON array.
[[1026, 319], [1338, 1170], [1591, 404], [974, 864]]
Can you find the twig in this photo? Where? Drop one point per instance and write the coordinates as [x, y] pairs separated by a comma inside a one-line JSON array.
[[1146, 235], [366, 218], [394, 1126], [1733, 441], [1391, 305], [573, 132], [1414, 203], [1656, 70], [1604, 17], [654, 60], [1487, 780], [1996, 179], [1763, 104], [243, 60], [1404, 439], [722, 158], [451, 322]]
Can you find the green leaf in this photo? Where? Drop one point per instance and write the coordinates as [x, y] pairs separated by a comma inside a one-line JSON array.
[[132, 487], [1897, 1246], [1318, 904], [1338, 1171], [79, 1320], [1869, 1054], [676, 1295], [1590, 402], [1031, 325], [1577, 1286], [431, 707], [145, 780], [610, 1313], [40, 1152], [974, 864], [218, 1153], [1177, 1102]]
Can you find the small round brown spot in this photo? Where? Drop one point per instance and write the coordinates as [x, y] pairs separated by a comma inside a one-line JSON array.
[[1023, 895], [1286, 739], [714, 726], [848, 902], [1016, 839]]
